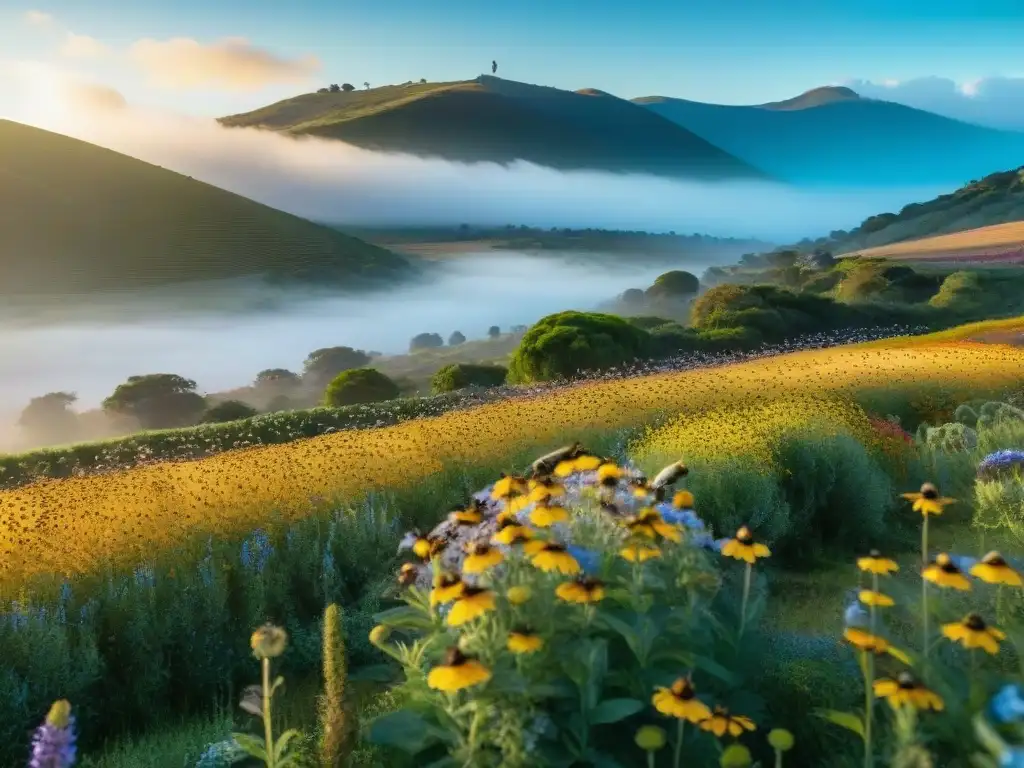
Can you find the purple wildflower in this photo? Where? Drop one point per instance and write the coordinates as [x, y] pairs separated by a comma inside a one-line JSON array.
[[53, 745]]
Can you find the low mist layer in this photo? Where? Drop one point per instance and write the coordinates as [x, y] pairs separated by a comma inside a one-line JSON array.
[[332, 181], [91, 356]]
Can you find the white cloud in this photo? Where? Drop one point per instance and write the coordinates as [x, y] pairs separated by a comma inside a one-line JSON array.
[[993, 101], [92, 97], [230, 64], [38, 18], [82, 47]]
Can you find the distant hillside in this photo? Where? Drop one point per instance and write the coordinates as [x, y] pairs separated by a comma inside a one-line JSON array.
[[831, 136], [495, 120], [995, 199], [77, 218], [999, 243]]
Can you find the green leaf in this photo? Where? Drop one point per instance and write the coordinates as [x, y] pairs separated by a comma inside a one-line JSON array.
[[614, 710], [847, 720], [712, 667], [278, 682], [251, 745], [404, 616], [618, 625], [988, 737], [558, 689], [403, 729], [444, 762], [281, 746]]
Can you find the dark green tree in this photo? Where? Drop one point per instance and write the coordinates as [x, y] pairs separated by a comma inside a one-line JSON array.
[[425, 341], [494, 332], [674, 284], [49, 419], [360, 385], [568, 343], [455, 376], [456, 338], [277, 381], [157, 401], [322, 365], [228, 410]]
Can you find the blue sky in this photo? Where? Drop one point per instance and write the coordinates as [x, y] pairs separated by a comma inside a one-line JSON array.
[[726, 51]]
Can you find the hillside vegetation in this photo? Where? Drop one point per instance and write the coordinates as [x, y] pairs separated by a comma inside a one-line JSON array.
[[830, 136], [493, 120], [77, 218], [997, 198]]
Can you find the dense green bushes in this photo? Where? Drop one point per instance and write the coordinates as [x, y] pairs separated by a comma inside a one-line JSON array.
[[359, 386], [567, 344], [456, 376]]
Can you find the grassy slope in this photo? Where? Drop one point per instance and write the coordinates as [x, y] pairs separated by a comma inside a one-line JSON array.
[[230, 492], [994, 199], [78, 218], [995, 242], [490, 119], [847, 141]]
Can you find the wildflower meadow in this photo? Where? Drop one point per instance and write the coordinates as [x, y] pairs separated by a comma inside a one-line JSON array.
[[461, 591]]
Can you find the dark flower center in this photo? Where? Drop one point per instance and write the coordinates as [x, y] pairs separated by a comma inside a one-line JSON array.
[[744, 536], [929, 491], [471, 592], [974, 622], [454, 657], [906, 682], [874, 554], [994, 558]]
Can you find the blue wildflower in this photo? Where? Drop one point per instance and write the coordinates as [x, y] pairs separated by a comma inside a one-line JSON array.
[[53, 745], [589, 560], [1007, 706], [1012, 758]]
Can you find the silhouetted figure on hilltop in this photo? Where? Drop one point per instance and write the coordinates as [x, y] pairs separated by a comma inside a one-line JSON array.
[[494, 67]]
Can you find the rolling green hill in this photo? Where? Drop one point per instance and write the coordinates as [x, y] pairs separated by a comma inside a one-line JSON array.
[[76, 218], [495, 120], [833, 137], [995, 199]]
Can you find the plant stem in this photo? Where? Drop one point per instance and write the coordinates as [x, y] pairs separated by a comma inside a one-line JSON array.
[[778, 758], [924, 588], [650, 759], [680, 729], [869, 707], [268, 729], [746, 597]]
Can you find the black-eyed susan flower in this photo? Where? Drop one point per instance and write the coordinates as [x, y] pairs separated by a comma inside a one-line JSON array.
[[682, 500], [743, 547], [447, 587], [481, 557], [876, 599], [524, 640], [580, 590], [519, 594], [639, 488], [408, 574], [906, 690], [973, 632], [993, 569], [456, 672], [421, 546], [609, 474], [545, 489], [510, 533], [721, 722], [466, 516], [473, 603], [379, 634], [876, 644], [585, 462], [508, 487], [544, 515], [680, 701], [661, 528], [927, 501], [640, 525], [554, 557], [875, 563], [944, 573], [639, 553]]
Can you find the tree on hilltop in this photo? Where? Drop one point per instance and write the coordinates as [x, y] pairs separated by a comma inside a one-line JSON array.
[[324, 364], [49, 418], [347, 87]]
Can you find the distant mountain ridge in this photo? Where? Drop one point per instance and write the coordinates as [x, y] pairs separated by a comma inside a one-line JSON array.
[[76, 218], [490, 119], [832, 137]]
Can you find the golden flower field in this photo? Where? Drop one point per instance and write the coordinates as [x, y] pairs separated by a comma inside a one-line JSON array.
[[73, 526]]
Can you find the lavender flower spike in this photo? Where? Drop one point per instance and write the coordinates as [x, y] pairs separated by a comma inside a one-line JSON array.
[[53, 745]]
